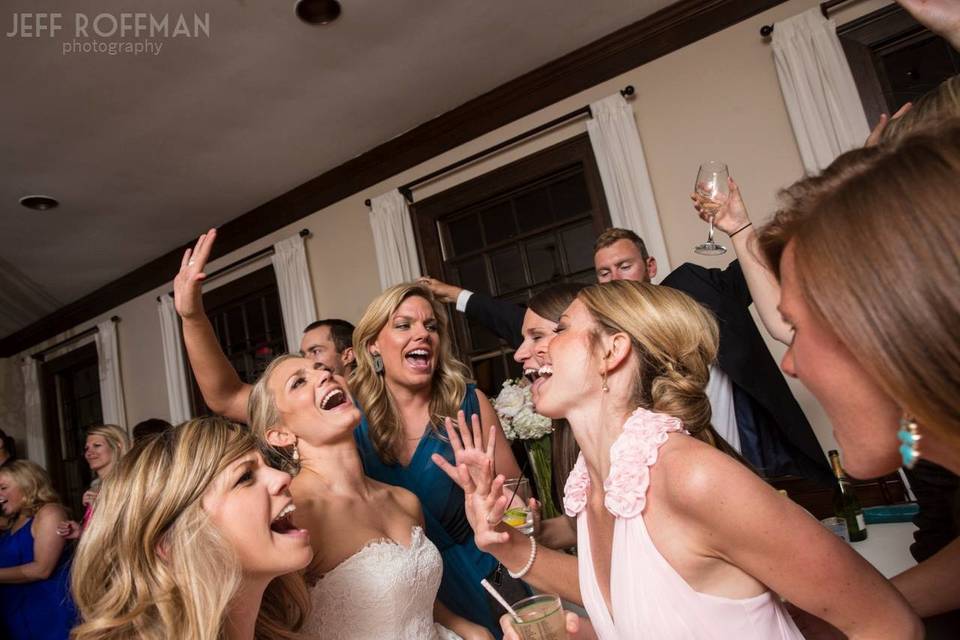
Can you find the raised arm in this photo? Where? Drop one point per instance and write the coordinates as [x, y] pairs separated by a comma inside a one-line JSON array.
[[940, 16], [47, 547], [743, 521], [731, 217], [485, 503], [222, 389]]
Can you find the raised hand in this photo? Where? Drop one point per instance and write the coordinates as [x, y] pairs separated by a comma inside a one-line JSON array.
[[728, 211], [473, 472], [187, 295], [444, 292], [940, 16], [877, 132]]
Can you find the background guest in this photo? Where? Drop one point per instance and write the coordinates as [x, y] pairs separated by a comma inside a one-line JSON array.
[[104, 447], [189, 537], [34, 567], [8, 448], [149, 427]]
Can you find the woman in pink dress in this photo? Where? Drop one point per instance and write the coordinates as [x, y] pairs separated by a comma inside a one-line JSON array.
[[676, 538]]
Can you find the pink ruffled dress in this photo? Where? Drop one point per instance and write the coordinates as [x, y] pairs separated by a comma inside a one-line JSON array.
[[649, 598]]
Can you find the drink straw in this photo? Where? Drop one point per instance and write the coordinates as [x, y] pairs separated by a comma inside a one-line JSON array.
[[499, 598]]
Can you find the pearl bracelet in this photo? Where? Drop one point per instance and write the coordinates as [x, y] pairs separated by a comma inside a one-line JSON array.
[[526, 567]]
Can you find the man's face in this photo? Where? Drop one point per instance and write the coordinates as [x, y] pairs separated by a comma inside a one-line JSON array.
[[317, 345], [622, 260]]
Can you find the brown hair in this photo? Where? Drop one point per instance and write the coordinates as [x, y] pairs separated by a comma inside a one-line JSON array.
[[550, 304], [878, 261], [615, 234], [449, 384], [933, 107], [675, 340]]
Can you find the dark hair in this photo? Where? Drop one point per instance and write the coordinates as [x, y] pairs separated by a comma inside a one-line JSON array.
[[554, 300], [149, 427], [550, 304], [615, 234], [341, 332], [9, 445]]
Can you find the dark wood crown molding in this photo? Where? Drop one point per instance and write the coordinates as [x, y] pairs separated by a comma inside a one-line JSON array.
[[661, 33]]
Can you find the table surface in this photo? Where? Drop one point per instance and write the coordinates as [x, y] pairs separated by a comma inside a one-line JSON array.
[[887, 547]]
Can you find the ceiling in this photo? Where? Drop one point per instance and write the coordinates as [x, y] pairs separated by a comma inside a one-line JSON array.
[[145, 151]]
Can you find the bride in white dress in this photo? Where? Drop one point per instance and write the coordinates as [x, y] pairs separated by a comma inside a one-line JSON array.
[[375, 574]]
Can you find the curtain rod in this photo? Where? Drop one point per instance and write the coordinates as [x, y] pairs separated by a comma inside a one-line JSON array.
[[767, 30], [39, 355], [266, 251], [407, 189]]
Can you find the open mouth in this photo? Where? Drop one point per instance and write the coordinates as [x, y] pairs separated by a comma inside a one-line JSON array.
[[419, 359], [283, 523], [333, 399], [540, 376]]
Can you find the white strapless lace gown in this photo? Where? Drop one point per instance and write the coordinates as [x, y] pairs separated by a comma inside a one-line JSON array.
[[385, 591]]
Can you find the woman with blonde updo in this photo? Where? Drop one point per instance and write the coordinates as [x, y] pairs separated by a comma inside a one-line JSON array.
[[34, 565], [677, 539], [192, 539]]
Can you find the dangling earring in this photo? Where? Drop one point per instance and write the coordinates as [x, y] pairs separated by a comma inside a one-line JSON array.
[[909, 436], [604, 387], [295, 455], [377, 363]]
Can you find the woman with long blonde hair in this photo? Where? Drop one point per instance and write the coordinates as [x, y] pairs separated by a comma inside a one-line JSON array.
[[34, 563], [407, 383], [677, 539], [192, 539]]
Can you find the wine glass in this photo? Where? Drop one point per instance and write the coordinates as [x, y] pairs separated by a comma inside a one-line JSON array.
[[712, 186]]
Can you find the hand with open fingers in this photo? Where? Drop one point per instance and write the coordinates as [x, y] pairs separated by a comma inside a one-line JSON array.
[[484, 501], [728, 211], [575, 630], [940, 16], [68, 529], [187, 295]]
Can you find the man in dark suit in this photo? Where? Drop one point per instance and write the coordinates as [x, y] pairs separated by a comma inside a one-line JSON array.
[[753, 408]]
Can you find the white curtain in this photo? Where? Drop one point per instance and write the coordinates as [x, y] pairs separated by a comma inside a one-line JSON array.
[[296, 293], [174, 366], [393, 238], [111, 385], [623, 170], [33, 404], [818, 88]]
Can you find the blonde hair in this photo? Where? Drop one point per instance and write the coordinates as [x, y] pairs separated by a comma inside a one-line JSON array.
[[117, 439], [449, 383], [262, 412], [877, 258], [34, 484], [150, 564], [937, 106], [674, 340]]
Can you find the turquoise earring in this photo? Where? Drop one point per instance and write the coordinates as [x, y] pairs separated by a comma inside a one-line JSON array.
[[909, 437]]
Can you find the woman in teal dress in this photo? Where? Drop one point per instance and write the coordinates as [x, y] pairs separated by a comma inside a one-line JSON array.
[[407, 381], [35, 601]]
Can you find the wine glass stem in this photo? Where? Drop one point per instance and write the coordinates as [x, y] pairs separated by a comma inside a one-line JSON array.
[[710, 233]]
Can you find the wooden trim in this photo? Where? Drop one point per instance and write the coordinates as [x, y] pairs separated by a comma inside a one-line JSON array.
[[661, 33]]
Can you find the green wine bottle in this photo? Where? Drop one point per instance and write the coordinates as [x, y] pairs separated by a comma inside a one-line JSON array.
[[845, 502]]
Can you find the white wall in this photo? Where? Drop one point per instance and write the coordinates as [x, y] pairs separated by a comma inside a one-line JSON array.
[[716, 98]]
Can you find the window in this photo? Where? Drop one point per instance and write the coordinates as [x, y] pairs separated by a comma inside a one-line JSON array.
[[248, 322], [71, 392], [894, 59], [511, 233]]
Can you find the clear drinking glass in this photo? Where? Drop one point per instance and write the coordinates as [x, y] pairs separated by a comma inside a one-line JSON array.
[[712, 186], [541, 618], [518, 514]]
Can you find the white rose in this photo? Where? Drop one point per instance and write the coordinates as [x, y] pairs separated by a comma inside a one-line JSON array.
[[510, 401], [530, 426]]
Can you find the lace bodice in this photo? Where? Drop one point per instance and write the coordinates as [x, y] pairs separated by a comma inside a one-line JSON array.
[[384, 591]]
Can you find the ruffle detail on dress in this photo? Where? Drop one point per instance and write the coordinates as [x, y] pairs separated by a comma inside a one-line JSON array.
[[631, 456]]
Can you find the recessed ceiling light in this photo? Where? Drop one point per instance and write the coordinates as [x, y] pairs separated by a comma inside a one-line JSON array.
[[39, 203], [318, 11]]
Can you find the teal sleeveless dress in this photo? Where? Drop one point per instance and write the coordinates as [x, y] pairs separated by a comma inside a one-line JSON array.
[[464, 565]]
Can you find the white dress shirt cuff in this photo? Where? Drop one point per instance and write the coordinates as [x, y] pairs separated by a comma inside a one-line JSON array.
[[462, 300]]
